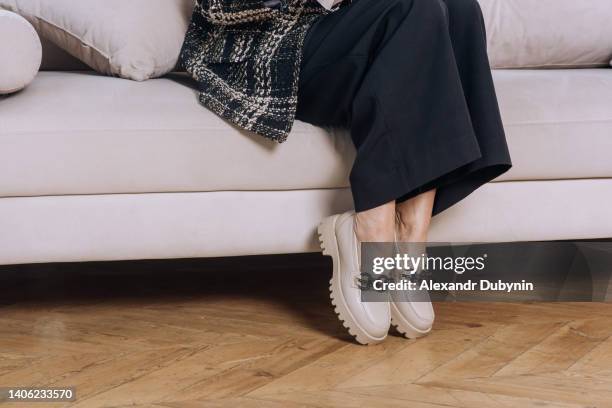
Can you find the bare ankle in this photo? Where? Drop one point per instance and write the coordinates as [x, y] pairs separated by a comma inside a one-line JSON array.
[[369, 233], [410, 230], [376, 225]]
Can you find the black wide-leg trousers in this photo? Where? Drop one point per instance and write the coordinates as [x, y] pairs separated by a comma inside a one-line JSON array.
[[411, 80]]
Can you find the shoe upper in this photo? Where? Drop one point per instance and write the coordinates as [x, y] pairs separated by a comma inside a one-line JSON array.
[[413, 306], [374, 317]]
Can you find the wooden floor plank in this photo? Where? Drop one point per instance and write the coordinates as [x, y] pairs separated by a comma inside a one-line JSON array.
[[454, 397], [419, 357], [548, 387], [495, 352], [333, 399], [561, 349], [332, 369]]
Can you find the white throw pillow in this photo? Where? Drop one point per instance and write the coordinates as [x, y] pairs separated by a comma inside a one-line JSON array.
[[20, 52], [134, 39], [548, 33]]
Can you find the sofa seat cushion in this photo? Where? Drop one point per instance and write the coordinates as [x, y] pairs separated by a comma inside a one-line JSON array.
[[81, 133], [558, 122]]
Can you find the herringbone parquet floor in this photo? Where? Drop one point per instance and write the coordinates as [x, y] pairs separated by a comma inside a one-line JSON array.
[[259, 332]]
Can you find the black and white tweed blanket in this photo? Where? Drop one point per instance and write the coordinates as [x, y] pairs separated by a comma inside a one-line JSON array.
[[246, 56]]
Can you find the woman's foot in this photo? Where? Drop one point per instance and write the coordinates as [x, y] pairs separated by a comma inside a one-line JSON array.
[[368, 322], [412, 313]]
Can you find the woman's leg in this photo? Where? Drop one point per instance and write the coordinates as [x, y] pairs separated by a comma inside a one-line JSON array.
[[412, 313], [467, 34], [384, 70], [413, 217], [423, 118], [387, 70]]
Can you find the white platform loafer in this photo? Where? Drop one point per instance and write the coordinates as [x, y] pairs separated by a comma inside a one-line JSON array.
[[412, 313], [368, 322], [411, 318]]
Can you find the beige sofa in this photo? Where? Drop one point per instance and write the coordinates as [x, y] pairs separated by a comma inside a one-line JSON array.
[[100, 168]]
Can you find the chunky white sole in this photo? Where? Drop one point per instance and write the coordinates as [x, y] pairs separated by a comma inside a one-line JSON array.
[[329, 245], [403, 326]]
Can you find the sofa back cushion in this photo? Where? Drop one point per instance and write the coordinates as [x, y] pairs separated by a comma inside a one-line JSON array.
[[140, 39], [135, 39], [548, 33]]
